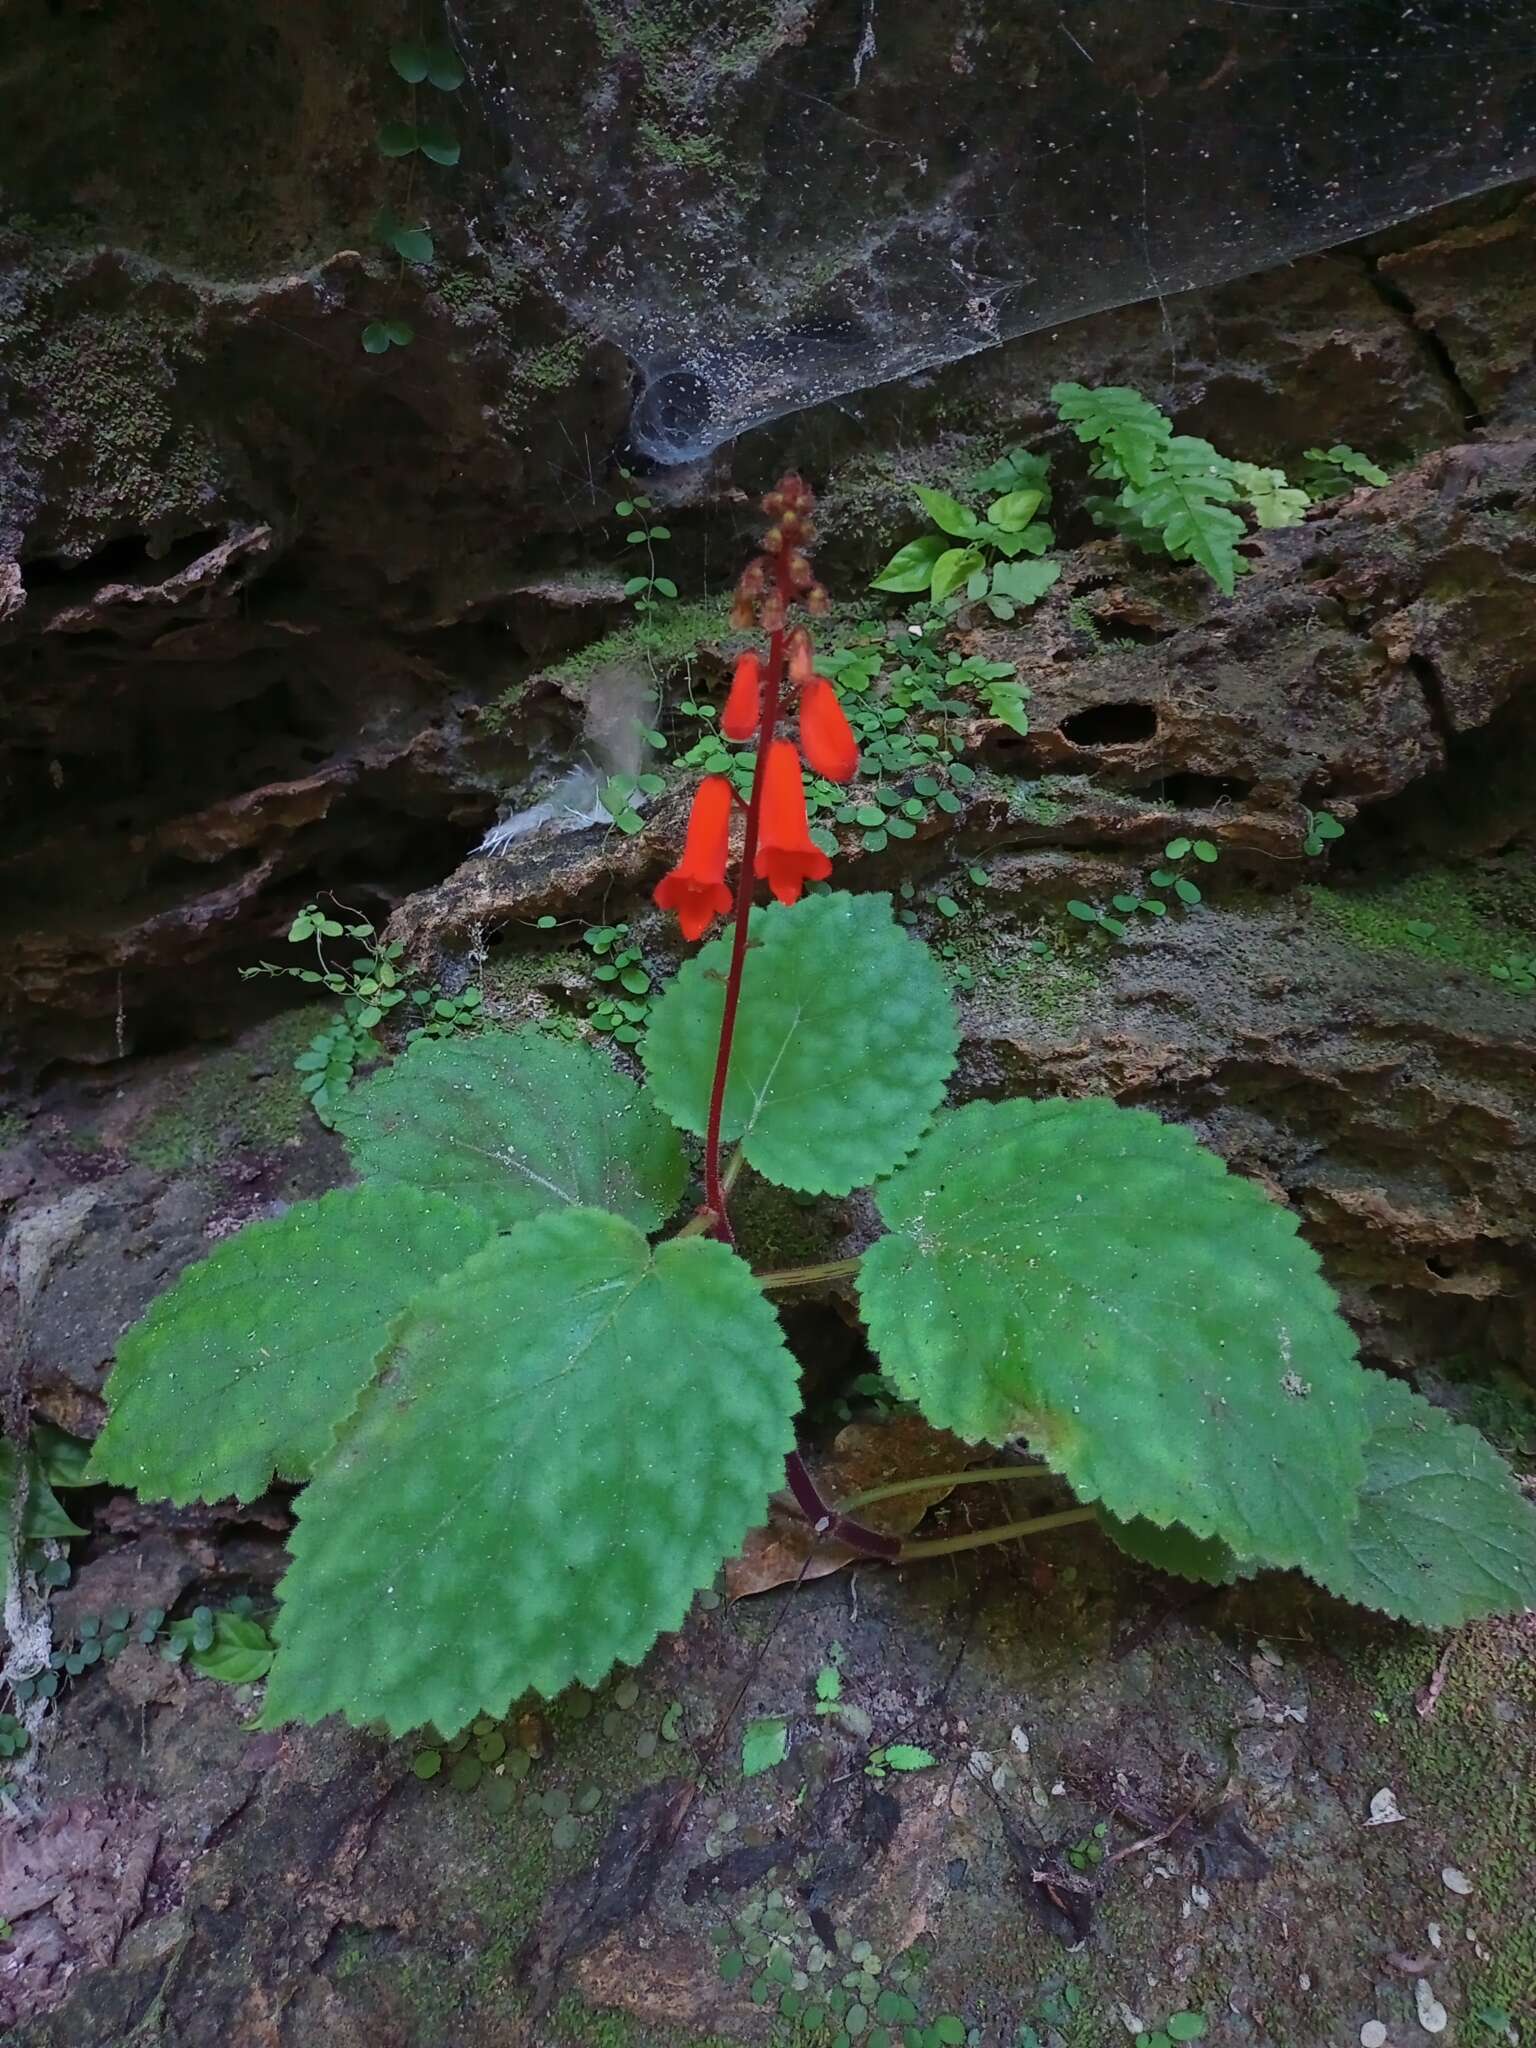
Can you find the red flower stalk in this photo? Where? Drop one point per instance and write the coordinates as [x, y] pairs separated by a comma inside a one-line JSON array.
[[744, 706], [696, 887], [787, 858], [825, 733]]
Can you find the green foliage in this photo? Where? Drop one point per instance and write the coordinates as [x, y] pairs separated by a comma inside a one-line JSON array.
[[1180, 2026], [570, 1331], [1173, 1549], [1176, 878], [1176, 492], [513, 1123], [245, 1367], [1185, 504], [1330, 472], [371, 988], [845, 1040], [647, 589], [1128, 430], [624, 1006], [982, 565], [621, 797], [900, 1757], [1091, 1278], [435, 62], [45, 1518], [380, 335], [227, 1644], [417, 60], [1322, 827], [764, 1745], [1273, 500], [527, 1452], [1444, 1533], [238, 1653]]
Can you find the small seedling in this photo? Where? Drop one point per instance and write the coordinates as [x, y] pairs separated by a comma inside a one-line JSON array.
[[1181, 2026], [898, 1756], [417, 61], [1321, 827], [648, 590], [1088, 1854]]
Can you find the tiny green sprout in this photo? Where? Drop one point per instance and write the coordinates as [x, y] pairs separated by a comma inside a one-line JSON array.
[[1321, 827], [829, 1688], [899, 1756], [1176, 849]]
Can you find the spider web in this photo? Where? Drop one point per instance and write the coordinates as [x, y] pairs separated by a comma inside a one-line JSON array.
[[772, 203]]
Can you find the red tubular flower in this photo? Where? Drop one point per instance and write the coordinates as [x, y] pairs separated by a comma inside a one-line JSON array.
[[696, 888], [786, 857], [825, 733], [744, 706]]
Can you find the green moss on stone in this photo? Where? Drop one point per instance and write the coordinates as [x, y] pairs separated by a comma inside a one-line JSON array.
[[1467, 916], [101, 385], [245, 1097], [662, 641]]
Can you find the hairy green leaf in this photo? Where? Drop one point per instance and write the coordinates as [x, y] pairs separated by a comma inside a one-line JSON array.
[[1094, 1279], [569, 1435], [910, 569], [947, 513], [247, 1365], [1127, 427], [1444, 1533], [844, 1041], [1173, 1549], [515, 1122]]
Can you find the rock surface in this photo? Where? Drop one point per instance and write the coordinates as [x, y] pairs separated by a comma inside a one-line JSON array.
[[279, 615]]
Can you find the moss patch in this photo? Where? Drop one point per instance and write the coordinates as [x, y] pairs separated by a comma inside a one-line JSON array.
[[1453, 916], [1470, 1763], [244, 1098], [663, 642]]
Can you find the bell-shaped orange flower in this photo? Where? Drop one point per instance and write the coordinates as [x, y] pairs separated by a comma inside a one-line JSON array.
[[786, 857], [696, 888], [825, 733], [744, 706]]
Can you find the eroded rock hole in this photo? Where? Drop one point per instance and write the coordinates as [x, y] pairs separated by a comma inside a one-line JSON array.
[[1111, 725], [1202, 792]]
